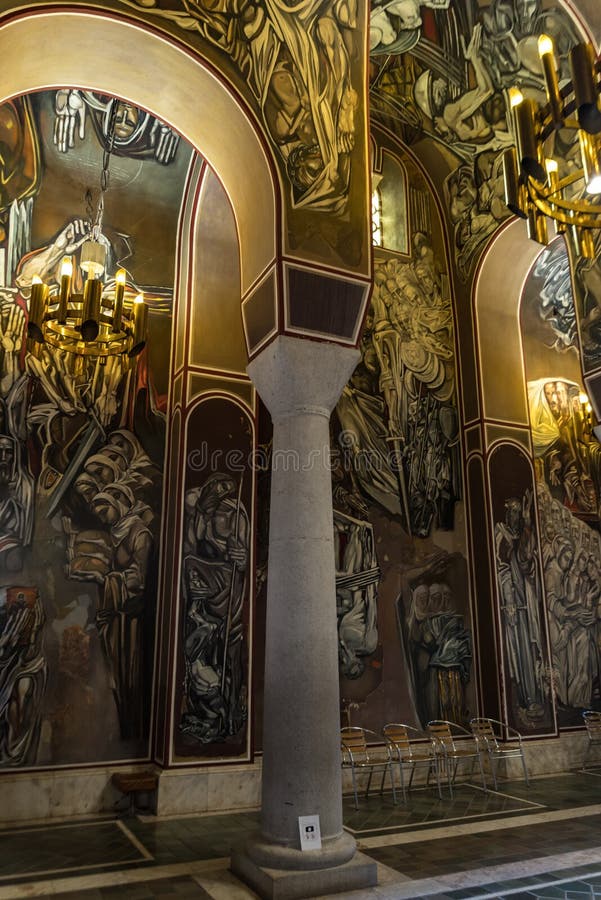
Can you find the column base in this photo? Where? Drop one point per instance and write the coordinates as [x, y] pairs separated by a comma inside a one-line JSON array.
[[296, 884]]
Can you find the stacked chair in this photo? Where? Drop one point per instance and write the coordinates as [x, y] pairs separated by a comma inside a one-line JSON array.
[[439, 751], [592, 720], [488, 734], [454, 744], [407, 753], [359, 756]]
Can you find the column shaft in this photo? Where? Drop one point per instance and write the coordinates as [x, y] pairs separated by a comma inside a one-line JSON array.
[[301, 747]]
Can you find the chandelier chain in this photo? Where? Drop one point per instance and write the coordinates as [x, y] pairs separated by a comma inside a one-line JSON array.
[[108, 147]]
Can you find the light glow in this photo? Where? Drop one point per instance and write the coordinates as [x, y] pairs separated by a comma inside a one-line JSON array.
[[594, 185], [515, 97], [66, 267], [545, 45]]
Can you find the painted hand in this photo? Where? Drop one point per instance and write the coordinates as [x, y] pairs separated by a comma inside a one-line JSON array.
[[70, 111]]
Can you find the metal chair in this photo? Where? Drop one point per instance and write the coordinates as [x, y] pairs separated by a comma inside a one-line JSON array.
[[405, 751], [592, 720], [358, 755], [490, 742], [451, 753]]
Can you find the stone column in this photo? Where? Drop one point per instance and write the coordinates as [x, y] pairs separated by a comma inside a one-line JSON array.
[[300, 381]]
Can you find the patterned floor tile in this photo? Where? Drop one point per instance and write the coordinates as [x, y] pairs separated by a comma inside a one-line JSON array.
[[65, 848]]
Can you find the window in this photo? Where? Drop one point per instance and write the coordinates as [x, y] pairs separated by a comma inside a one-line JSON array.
[[376, 218]]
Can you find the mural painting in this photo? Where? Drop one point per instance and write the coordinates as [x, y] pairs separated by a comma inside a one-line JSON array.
[[399, 410], [396, 477], [438, 644], [520, 592], [440, 71], [567, 458], [298, 64], [81, 456], [212, 682], [587, 290]]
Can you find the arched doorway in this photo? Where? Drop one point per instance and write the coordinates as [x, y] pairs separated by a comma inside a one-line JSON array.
[[120, 56]]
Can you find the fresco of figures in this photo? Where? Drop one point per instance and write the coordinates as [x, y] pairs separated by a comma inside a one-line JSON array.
[[558, 301], [438, 644], [81, 455], [357, 577], [398, 412], [587, 290], [520, 593], [297, 63], [212, 676], [441, 70], [567, 465], [402, 586], [572, 553], [568, 456]]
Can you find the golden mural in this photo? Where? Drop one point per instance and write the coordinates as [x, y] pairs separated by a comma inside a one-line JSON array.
[[296, 61], [441, 71]]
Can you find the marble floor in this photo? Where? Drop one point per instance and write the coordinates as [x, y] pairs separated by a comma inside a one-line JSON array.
[[542, 841]]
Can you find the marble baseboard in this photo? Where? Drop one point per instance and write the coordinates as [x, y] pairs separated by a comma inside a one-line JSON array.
[[214, 789], [57, 794], [54, 794]]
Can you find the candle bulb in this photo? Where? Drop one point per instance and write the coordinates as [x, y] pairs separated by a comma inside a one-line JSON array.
[[525, 119], [140, 318], [92, 296], [547, 58], [37, 309], [118, 307], [514, 199], [65, 289]]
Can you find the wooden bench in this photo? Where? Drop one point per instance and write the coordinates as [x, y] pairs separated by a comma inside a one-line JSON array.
[[133, 783]]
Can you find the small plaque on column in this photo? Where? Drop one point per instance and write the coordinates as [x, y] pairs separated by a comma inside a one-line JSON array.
[[310, 832]]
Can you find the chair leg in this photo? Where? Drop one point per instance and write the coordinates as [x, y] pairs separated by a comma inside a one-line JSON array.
[[402, 780], [525, 769], [371, 772], [437, 773], [484, 785], [449, 779], [493, 769], [586, 756], [382, 782], [390, 767], [355, 787]]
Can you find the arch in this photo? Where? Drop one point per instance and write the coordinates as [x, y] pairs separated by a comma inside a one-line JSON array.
[[118, 55], [496, 308]]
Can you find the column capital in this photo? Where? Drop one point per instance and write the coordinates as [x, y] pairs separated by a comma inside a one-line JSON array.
[[296, 376]]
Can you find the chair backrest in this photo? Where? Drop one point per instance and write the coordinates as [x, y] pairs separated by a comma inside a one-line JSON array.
[[441, 732], [483, 729], [353, 742], [398, 735], [406, 740], [592, 720]]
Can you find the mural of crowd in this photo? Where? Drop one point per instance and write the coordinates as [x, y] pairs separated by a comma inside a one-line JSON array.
[[398, 412], [397, 481], [80, 495], [441, 69]]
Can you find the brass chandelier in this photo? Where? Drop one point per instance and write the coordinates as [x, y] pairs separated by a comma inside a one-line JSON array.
[[540, 185], [97, 323]]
